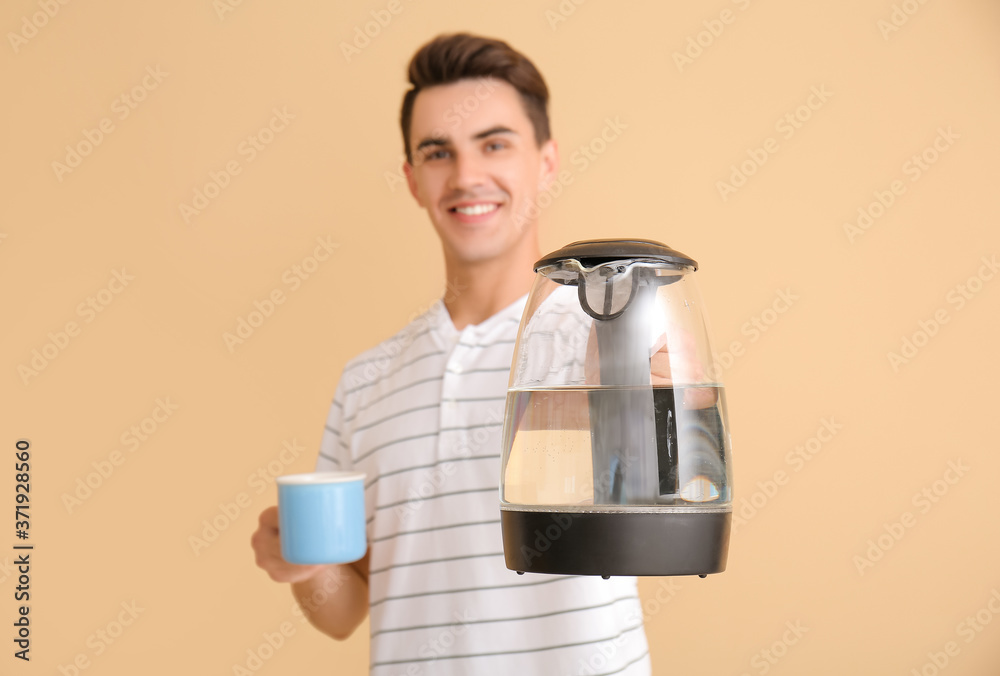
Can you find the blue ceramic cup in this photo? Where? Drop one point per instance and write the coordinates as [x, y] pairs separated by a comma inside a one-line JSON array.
[[321, 517]]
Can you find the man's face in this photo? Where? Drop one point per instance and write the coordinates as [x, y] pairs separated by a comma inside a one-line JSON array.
[[476, 167]]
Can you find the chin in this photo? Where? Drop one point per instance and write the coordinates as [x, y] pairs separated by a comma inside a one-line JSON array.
[[477, 254]]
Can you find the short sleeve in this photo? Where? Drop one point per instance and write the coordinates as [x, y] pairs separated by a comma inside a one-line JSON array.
[[334, 450]]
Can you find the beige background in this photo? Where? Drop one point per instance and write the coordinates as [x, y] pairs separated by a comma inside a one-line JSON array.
[[329, 172]]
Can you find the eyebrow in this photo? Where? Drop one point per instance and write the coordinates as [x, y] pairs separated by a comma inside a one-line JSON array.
[[499, 129]]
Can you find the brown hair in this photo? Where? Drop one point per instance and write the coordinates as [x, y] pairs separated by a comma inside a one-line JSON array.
[[449, 58]]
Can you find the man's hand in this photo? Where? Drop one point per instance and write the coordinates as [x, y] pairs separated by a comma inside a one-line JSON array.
[[681, 365], [266, 542], [333, 597]]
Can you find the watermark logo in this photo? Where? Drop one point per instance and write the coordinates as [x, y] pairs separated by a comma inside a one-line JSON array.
[[968, 629], [131, 439], [249, 148], [30, 25], [696, 44], [895, 530], [767, 657], [914, 168], [229, 511], [431, 481], [224, 7], [767, 489], [94, 137], [753, 329], [899, 17], [562, 12], [265, 650], [787, 125], [363, 36], [293, 278], [958, 296], [582, 158], [101, 640], [88, 309]]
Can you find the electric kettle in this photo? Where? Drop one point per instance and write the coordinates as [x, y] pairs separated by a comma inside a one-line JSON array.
[[616, 445]]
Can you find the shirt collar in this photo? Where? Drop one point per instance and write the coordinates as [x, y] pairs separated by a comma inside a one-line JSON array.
[[446, 328]]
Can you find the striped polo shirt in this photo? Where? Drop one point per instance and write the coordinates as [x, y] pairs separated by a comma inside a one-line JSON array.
[[421, 415]]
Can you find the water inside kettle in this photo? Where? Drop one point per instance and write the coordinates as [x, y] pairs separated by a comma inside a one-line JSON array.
[[568, 446]]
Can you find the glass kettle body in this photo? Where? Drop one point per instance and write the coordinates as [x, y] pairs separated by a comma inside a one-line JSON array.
[[616, 446]]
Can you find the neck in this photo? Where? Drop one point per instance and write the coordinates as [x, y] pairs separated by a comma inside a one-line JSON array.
[[476, 291]]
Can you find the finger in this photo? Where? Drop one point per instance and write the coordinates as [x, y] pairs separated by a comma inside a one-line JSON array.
[[268, 519], [700, 397], [269, 515], [659, 368], [290, 572], [660, 344]]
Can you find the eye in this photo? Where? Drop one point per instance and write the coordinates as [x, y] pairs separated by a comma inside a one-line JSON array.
[[500, 145], [434, 155]]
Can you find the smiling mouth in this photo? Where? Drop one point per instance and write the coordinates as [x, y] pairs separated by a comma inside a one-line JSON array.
[[475, 210]]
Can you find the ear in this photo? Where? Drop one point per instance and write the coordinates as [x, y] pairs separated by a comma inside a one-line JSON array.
[[549, 165], [411, 181]]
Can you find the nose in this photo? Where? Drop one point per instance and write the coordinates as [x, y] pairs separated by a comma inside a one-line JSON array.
[[467, 172]]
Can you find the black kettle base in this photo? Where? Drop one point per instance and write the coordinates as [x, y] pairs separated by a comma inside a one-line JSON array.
[[616, 543]]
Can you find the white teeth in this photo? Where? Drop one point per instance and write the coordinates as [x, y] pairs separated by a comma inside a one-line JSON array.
[[476, 210]]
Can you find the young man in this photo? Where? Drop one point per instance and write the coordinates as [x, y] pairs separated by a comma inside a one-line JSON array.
[[421, 414]]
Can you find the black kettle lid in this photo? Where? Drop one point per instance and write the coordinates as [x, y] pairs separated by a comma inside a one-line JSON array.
[[591, 252]]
